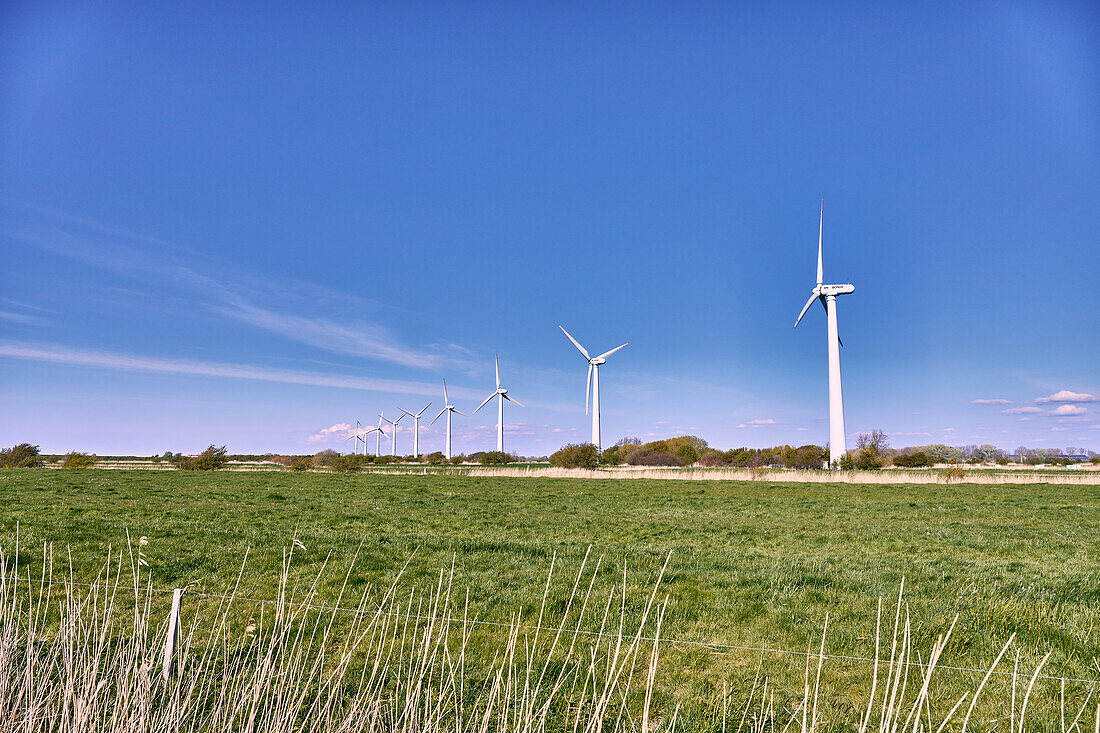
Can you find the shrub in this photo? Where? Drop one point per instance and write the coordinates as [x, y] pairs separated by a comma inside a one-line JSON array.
[[577, 455], [457, 460], [383, 460], [867, 459], [302, 463], [846, 463], [210, 459], [610, 457], [954, 473], [653, 458], [23, 455], [78, 460], [326, 458], [350, 463], [494, 458], [434, 459], [920, 459], [687, 454]]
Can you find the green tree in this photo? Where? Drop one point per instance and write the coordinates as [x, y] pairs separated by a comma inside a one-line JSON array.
[[687, 454], [434, 459], [302, 463], [494, 458], [576, 455]]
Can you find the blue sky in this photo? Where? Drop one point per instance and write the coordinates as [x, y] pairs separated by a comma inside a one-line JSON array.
[[247, 225]]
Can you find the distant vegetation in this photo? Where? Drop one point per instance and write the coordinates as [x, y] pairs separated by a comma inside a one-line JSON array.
[[78, 460], [23, 455]]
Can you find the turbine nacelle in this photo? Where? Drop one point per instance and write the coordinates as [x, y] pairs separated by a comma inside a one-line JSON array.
[[827, 290]]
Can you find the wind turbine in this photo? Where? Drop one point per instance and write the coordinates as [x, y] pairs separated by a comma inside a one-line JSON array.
[[416, 428], [447, 408], [593, 385], [502, 394], [394, 424], [378, 438], [827, 295], [355, 445]]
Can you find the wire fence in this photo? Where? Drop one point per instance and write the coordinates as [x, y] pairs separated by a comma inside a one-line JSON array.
[[710, 646]]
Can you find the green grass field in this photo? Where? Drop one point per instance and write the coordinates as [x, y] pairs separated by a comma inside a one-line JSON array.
[[753, 564]]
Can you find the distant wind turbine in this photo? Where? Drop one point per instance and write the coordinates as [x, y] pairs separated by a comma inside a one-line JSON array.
[[827, 295], [501, 394], [447, 408], [394, 424], [593, 385], [358, 437], [378, 438], [416, 428]]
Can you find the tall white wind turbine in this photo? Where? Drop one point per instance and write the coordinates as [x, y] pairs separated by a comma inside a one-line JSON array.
[[592, 388], [447, 408], [393, 423], [501, 394], [416, 428], [827, 295]]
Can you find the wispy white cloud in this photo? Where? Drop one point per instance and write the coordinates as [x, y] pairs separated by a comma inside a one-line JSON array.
[[278, 305], [340, 430], [925, 435], [997, 401], [1021, 410], [758, 423], [1066, 395], [367, 341], [21, 318], [1068, 410], [57, 354]]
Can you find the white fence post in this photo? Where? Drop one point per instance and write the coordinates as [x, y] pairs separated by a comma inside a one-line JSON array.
[[173, 634]]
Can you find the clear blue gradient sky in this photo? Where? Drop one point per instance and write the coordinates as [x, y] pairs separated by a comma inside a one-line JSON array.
[[247, 225]]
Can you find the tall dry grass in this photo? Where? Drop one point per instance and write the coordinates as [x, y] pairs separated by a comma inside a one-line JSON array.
[[892, 476], [88, 657]]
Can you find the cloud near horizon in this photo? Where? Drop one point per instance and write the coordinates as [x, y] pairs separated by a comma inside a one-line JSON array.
[[997, 401], [1067, 396], [1021, 410]]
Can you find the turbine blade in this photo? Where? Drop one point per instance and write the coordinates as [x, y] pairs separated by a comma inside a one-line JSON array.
[[437, 417], [407, 412], [805, 308], [820, 224], [609, 353], [513, 400], [446, 401], [460, 413], [494, 394], [579, 347], [496, 360], [425, 408], [821, 299], [588, 388]]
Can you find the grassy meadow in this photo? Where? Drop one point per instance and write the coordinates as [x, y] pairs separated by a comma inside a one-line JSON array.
[[753, 564]]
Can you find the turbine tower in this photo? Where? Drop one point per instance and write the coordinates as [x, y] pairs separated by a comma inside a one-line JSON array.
[[416, 428], [394, 424], [593, 385], [827, 295], [501, 394], [447, 408]]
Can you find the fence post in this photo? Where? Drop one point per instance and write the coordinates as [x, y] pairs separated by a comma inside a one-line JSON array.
[[173, 634]]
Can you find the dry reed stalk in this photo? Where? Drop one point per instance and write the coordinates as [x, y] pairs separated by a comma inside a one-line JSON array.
[[85, 657]]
